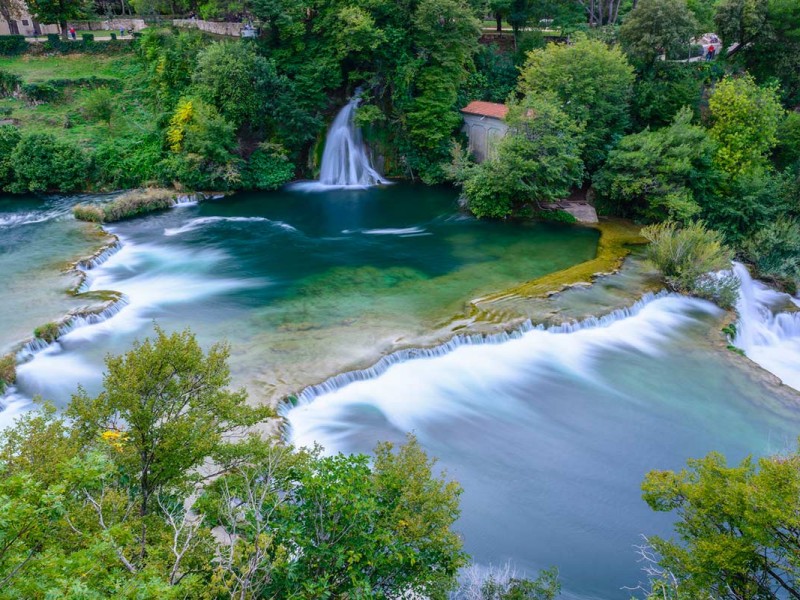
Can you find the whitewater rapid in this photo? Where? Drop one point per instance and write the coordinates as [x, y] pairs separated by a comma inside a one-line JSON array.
[[766, 334]]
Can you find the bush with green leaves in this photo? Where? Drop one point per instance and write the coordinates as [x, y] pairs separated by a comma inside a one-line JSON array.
[[12, 44], [42, 163], [690, 258], [747, 203], [593, 82], [774, 250], [664, 89], [9, 84], [9, 138], [100, 104], [128, 162], [39, 93], [267, 169], [240, 83], [656, 175]]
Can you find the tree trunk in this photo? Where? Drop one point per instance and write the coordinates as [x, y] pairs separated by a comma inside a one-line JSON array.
[[499, 18], [64, 32]]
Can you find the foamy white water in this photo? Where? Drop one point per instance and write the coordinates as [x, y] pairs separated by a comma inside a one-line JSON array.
[[416, 386], [345, 163], [199, 222], [769, 338], [150, 278]]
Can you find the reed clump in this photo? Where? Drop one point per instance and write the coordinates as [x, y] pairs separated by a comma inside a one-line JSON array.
[[128, 205], [8, 371], [47, 332]]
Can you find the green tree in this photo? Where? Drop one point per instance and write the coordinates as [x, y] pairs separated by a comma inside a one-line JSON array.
[[58, 11], [538, 161], [657, 175], [593, 83], [238, 82], [168, 401], [737, 527], [657, 27], [763, 36], [309, 526], [744, 122]]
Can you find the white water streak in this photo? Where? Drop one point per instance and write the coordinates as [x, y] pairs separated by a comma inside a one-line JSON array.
[[770, 339]]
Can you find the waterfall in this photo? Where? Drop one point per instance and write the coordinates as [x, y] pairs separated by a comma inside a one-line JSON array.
[[345, 163], [767, 337]]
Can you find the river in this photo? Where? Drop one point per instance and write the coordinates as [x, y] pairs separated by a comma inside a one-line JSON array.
[[549, 431]]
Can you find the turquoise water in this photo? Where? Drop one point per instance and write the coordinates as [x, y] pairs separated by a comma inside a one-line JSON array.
[[550, 434], [301, 285]]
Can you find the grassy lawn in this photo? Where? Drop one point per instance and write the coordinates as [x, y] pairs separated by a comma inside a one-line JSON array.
[[67, 117], [67, 66]]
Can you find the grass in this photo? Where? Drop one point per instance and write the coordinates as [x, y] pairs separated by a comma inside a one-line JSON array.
[[65, 66], [130, 204], [68, 117]]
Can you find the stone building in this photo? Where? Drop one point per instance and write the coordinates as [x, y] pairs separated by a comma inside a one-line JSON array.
[[484, 124], [22, 23]]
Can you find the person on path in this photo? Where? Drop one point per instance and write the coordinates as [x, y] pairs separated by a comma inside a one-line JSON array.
[[710, 54], [72, 33]]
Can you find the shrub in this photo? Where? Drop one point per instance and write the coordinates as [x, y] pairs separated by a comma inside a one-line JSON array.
[[87, 38], [689, 258], [775, 252], [128, 205], [100, 104], [42, 163], [127, 163], [9, 138], [113, 36], [8, 371], [9, 84], [39, 93], [53, 38], [47, 332], [267, 169], [12, 44]]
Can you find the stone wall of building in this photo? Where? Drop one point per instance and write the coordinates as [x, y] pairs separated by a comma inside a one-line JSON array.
[[483, 133]]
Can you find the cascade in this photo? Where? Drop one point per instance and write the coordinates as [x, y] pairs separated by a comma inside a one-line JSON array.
[[769, 338], [345, 163]]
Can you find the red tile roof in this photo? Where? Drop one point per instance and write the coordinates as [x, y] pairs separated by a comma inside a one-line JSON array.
[[486, 109]]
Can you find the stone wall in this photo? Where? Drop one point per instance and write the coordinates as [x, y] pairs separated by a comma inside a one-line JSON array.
[[483, 134], [109, 25], [217, 28]]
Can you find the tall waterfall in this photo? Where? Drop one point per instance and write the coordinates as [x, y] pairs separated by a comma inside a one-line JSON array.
[[769, 338], [345, 163]]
